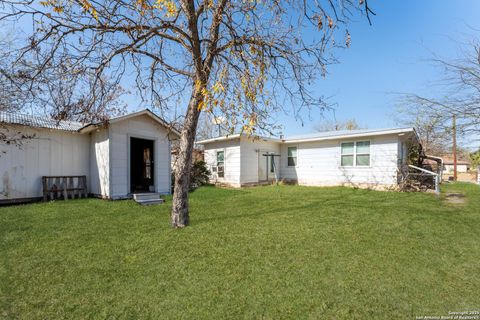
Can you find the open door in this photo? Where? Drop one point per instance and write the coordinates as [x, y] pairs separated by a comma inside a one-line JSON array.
[[141, 165], [267, 164]]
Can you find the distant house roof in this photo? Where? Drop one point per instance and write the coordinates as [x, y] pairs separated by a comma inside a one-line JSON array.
[[39, 122], [459, 162], [327, 135], [73, 126]]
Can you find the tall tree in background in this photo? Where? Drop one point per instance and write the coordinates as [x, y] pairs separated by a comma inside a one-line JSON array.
[[434, 131], [336, 125], [238, 59], [460, 97]]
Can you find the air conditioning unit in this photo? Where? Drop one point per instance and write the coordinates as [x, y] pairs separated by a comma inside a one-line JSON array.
[[217, 171]]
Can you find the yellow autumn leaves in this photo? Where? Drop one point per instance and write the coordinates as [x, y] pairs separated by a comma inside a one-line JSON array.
[[210, 96], [58, 6], [168, 6]]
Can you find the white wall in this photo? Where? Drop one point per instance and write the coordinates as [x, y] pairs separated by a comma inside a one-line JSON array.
[[251, 153], [143, 127], [49, 153], [232, 159], [448, 168], [318, 163], [100, 163]]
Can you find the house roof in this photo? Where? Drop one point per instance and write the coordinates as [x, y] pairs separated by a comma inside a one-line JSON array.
[[149, 113], [327, 135], [73, 126], [39, 122], [236, 136], [459, 162], [342, 134]]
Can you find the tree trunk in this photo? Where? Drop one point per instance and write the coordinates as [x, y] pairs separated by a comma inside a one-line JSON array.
[[180, 212]]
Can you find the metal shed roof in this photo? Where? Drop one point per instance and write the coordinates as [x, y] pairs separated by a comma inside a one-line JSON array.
[[39, 122], [72, 126]]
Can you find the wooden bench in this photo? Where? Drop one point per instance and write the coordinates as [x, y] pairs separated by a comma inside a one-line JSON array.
[[63, 187]]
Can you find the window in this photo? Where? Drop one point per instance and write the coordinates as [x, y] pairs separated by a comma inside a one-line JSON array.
[[356, 154], [362, 154], [220, 163], [292, 156]]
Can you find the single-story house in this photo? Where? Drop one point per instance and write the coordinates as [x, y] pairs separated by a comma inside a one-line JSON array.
[[462, 166], [364, 158], [119, 157]]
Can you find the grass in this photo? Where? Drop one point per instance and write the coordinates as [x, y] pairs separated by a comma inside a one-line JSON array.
[[268, 252]]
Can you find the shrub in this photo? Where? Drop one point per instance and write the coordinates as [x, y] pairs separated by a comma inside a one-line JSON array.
[[199, 175]]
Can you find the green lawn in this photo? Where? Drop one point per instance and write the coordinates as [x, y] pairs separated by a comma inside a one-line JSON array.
[[267, 252]]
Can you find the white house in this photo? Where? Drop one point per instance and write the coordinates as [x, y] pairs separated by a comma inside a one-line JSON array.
[[125, 155], [365, 158], [462, 166]]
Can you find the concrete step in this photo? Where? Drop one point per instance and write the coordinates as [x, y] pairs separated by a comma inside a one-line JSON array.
[[150, 202], [146, 196]]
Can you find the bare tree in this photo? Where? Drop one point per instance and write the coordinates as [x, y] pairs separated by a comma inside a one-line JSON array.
[[434, 131], [62, 92], [460, 97], [337, 125], [238, 59]]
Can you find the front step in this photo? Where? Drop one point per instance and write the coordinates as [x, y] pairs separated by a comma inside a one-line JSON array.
[[147, 198], [150, 202]]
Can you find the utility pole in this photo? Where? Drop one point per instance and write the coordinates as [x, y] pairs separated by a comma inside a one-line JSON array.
[[454, 131]]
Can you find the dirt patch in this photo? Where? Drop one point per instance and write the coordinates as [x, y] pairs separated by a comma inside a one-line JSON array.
[[462, 176], [455, 198]]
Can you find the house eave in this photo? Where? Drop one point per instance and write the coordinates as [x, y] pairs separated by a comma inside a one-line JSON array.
[[354, 135], [239, 136]]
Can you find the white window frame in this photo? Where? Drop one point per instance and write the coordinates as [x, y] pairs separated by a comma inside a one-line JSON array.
[[216, 162], [354, 154], [296, 163]]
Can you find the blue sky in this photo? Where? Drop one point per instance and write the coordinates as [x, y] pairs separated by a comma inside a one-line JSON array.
[[388, 57], [391, 56]]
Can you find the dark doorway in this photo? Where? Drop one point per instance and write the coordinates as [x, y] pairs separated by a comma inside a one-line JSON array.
[[141, 165]]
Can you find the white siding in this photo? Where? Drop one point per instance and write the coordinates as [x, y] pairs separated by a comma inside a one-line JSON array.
[[448, 168], [143, 127], [251, 153], [50, 152], [318, 163], [100, 164], [232, 159]]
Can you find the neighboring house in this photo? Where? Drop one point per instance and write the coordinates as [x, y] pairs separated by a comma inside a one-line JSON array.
[[462, 166], [125, 155], [365, 158]]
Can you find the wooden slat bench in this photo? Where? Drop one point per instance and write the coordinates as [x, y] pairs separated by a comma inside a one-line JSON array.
[[63, 187]]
